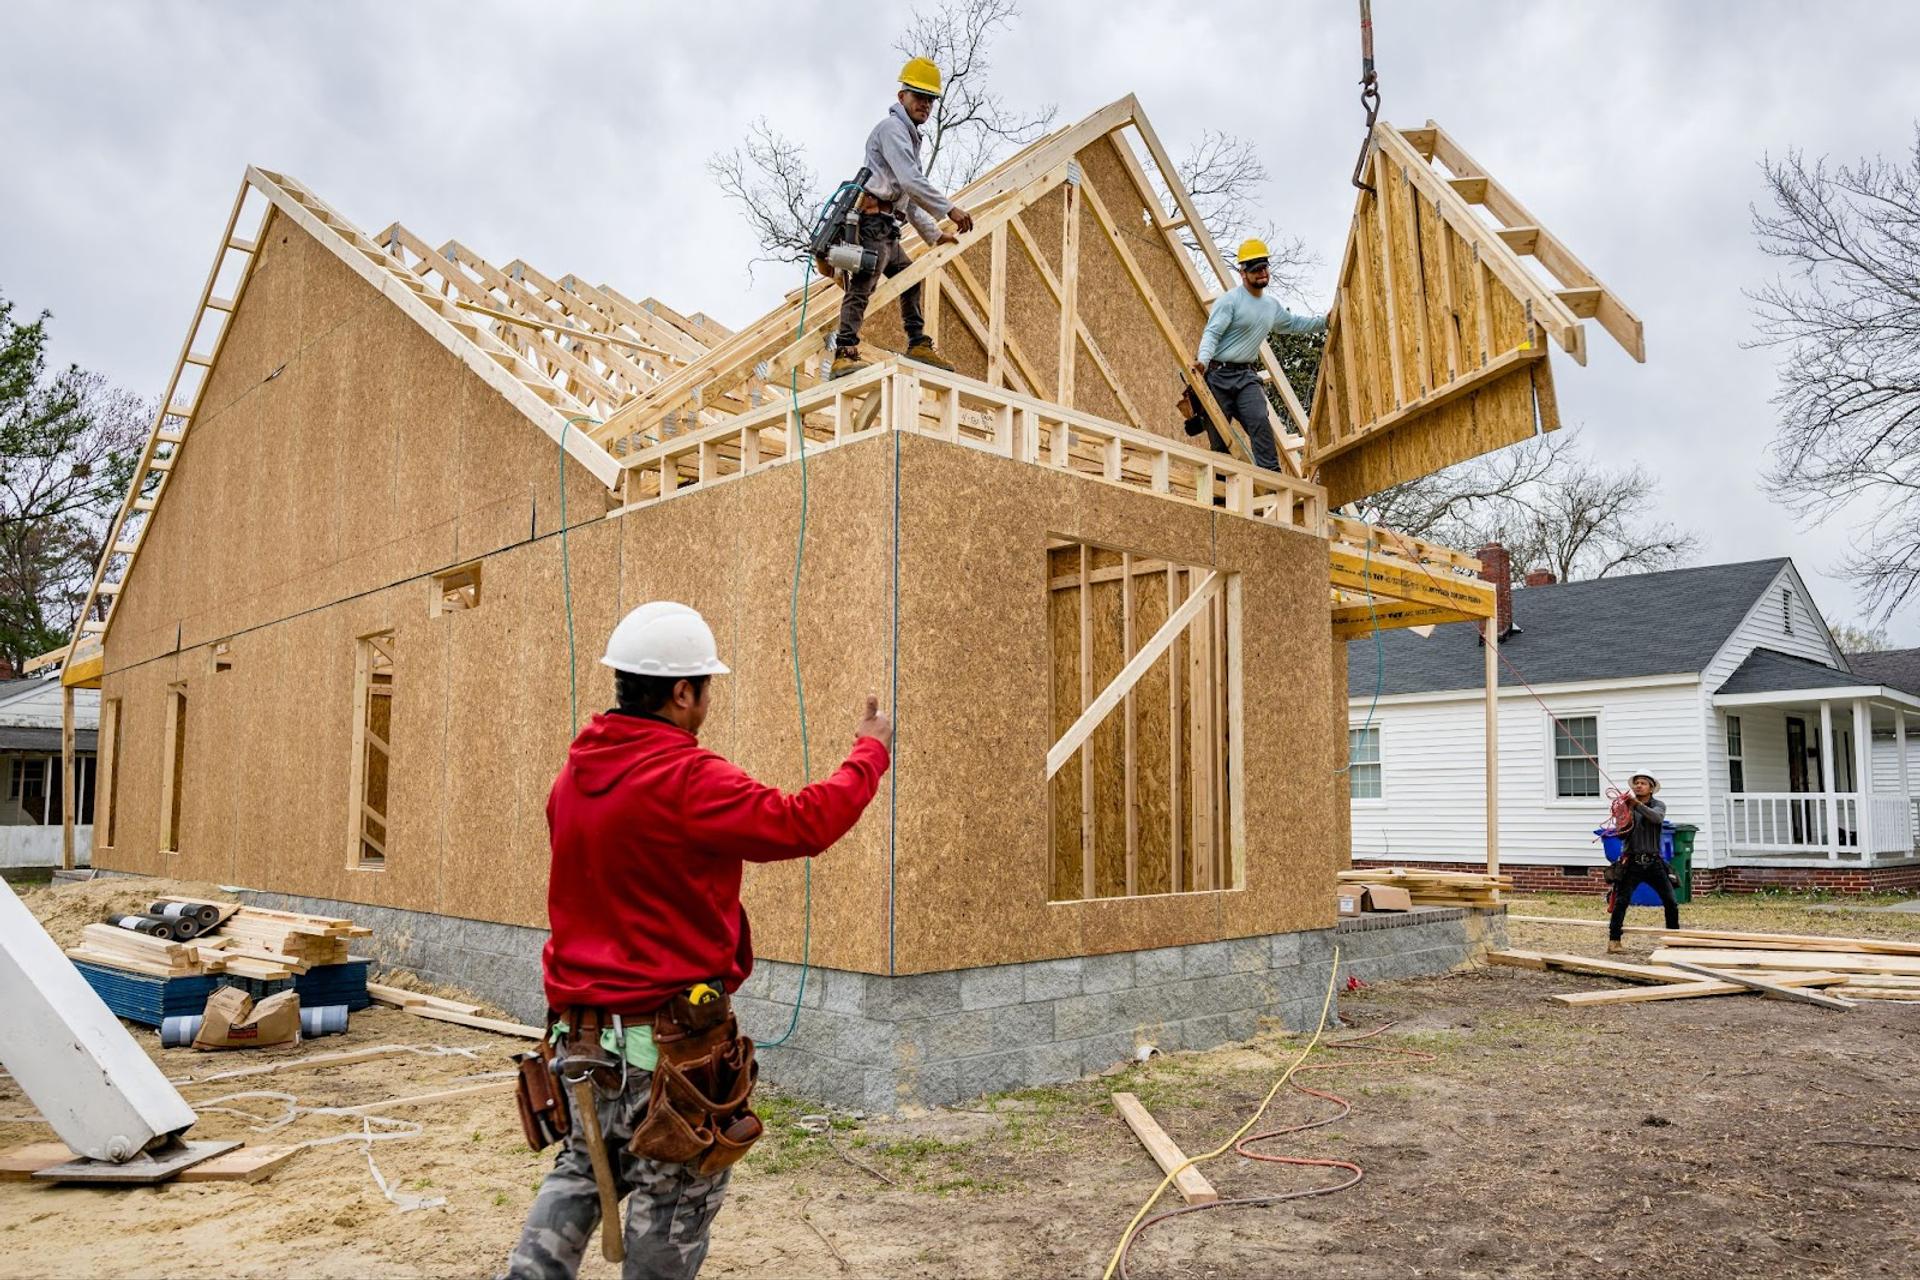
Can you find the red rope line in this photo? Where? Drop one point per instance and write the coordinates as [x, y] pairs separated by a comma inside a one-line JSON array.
[[1345, 1108]]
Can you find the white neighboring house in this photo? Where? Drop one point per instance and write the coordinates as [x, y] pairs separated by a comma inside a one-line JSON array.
[[1722, 681], [30, 825]]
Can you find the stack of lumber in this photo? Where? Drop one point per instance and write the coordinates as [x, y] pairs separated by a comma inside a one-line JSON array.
[[1655, 981], [147, 978], [110, 947], [1871, 968], [1436, 888]]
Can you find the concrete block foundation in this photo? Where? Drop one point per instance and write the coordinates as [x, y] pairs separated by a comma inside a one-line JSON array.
[[876, 1042]]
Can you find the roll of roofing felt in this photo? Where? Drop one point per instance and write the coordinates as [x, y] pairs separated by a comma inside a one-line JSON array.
[[323, 1020], [183, 927], [205, 912], [179, 1030], [153, 926]]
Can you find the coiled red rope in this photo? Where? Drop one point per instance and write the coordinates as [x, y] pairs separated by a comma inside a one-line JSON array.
[[1242, 1147]]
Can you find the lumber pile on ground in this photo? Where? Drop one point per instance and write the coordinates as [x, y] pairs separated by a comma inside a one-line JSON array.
[[249, 942], [1435, 888], [1716, 962]]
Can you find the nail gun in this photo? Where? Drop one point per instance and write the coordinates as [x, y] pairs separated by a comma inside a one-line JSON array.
[[835, 241]]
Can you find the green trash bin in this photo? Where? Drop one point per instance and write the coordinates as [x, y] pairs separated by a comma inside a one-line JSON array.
[[1682, 864]]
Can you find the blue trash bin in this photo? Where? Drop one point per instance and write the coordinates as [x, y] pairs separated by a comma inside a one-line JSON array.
[[1643, 894]]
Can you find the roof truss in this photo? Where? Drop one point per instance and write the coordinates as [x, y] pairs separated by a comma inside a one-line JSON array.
[[1437, 346]]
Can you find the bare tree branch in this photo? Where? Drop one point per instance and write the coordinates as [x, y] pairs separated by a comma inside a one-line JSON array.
[[1845, 315], [1547, 505], [778, 191]]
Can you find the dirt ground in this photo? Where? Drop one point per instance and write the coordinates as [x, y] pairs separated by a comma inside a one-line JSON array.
[[1732, 1136]]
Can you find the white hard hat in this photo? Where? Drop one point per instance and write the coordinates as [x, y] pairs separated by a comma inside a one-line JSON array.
[[662, 638]]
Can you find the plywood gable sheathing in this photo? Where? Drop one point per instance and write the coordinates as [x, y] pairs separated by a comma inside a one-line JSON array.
[[562, 353], [1437, 349]]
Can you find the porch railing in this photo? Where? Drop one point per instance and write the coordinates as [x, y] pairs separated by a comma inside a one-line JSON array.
[[1819, 824]]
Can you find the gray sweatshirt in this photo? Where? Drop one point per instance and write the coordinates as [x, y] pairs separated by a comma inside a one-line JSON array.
[[893, 153]]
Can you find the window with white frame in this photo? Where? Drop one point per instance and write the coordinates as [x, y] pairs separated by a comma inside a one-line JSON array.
[[1736, 764], [1363, 763], [1576, 757]]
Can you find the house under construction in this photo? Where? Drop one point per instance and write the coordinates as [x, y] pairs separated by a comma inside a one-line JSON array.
[[397, 496]]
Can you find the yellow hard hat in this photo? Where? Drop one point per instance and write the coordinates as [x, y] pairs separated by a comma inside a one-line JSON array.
[[921, 76], [1251, 251]]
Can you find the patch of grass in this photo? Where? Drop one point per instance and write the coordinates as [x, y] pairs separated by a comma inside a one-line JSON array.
[[499, 1197], [22, 877]]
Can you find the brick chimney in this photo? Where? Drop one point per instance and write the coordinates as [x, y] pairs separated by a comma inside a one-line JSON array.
[[1496, 566], [1540, 578]]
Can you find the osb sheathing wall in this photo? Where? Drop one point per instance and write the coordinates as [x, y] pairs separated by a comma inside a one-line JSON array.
[[339, 449], [972, 861], [345, 457]]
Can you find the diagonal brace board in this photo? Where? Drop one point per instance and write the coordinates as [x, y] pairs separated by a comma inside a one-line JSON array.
[[1150, 652]]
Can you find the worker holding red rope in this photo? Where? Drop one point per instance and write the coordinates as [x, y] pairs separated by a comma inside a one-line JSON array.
[[1640, 861]]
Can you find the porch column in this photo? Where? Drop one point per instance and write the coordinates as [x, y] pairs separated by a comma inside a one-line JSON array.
[[1906, 784], [1827, 806], [67, 805], [1863, 777], [1491, 644]]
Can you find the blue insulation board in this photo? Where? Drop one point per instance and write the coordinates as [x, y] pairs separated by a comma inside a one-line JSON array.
[[141, 997]]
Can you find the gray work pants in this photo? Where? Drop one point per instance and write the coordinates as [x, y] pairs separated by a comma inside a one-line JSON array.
[[669, 1208], [1243, 398], [880, 233]]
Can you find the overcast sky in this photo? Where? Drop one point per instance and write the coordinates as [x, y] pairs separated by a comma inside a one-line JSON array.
[[575, 136]]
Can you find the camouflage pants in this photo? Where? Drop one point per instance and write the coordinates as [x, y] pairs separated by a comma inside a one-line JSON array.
[[669, 1208]]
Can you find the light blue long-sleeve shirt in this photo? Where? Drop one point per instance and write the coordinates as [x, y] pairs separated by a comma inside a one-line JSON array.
[[1240, 322]]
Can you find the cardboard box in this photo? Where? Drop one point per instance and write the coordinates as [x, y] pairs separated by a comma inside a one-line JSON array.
[[233, 1021], [1386, 897], [1350, 899]]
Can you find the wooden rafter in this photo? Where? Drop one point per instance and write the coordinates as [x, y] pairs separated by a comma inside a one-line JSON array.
[[1437, 342]]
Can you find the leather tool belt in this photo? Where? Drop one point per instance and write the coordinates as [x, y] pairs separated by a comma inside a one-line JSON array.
[[538, 1097], [874, 204], [697, 1112]]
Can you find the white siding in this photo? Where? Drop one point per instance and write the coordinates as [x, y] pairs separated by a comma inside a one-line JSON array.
[[1433, 772], [1886, 761], [1765, 627], [37, 704]]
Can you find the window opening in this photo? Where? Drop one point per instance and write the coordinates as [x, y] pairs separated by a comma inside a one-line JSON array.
[[1736, 764], [1145, 792], [456, 590], [110, 753], [1576, 749], [372, 750], [1363, 763], [173, 766]]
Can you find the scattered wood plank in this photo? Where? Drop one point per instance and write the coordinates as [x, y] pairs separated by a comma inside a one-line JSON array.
[[1685, 990], [1766, 987], [1838, 961], [1591, 965], [400, 998], [496, 1025], [1583, 922], [1788, 941], [248, 1164], [1193, 1188]]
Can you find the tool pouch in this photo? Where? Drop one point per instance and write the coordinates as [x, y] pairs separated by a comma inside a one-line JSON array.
[[542, 1104], [697, 1112]]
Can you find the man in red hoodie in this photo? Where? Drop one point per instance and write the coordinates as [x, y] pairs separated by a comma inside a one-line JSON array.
[[649, 831]]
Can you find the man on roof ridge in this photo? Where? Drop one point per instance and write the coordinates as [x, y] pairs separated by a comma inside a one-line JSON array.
[[897, 191]]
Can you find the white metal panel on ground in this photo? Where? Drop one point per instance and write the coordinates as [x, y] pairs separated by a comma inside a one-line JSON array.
[[98, 1089], [1432, 802]]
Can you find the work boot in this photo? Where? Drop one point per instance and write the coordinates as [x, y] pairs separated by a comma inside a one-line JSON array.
[[922, 351], [845, 361], [1615, 948]]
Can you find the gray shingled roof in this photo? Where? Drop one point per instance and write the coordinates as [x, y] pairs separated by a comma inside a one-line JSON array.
[[1895, 668], [21, 737], [1645, 624], [1770, 671]]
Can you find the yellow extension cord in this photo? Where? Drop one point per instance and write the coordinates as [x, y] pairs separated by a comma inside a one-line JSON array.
[[1326, 1004]]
